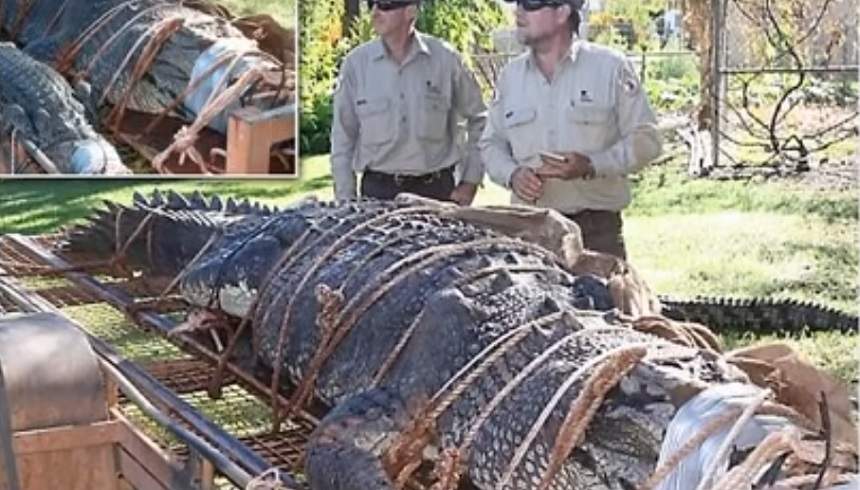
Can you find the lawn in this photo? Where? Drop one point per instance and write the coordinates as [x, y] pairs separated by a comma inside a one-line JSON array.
[[284, 11], [685, 236]]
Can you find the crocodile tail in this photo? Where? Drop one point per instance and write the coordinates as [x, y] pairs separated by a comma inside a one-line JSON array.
[[160, 234], [760, 315]]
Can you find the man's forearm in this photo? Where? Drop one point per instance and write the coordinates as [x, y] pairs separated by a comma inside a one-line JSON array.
[[344, 177]]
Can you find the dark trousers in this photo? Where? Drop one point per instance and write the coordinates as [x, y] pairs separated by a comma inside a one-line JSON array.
[[437, 185], [601, 231]]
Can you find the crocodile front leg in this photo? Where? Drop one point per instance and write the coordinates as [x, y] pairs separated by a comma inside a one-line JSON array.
[[346, 451]]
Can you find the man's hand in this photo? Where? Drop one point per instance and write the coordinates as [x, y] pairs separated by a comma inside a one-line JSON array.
[[526, 184], [464, 193], [574, 166]]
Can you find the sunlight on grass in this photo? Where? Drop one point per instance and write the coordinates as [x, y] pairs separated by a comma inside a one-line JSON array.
[[38, 206], [284, 11], [666, 189], [746, 254]]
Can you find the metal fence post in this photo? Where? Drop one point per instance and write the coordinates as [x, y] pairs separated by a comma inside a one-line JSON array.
[[716, 78]]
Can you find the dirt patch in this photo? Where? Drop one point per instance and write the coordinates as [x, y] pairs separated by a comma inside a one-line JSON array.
[[840, 175]]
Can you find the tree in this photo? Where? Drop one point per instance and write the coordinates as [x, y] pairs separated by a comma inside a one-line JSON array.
[[352, 9], [697, 23]]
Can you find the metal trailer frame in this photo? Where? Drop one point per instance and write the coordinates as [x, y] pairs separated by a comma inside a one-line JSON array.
[[209, 450]]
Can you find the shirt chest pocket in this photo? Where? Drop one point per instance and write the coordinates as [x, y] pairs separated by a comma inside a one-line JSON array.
[[375, 120], [432, 117], [521, 125], [591, 126]]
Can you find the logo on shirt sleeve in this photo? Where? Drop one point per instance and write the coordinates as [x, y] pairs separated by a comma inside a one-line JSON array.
[[629, 82], [585, 97]]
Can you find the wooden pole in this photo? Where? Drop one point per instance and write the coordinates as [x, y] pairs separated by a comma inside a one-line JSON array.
[[352, 9], [716, 78]]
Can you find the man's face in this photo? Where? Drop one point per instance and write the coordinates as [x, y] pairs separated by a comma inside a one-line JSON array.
[[538, 20], [390, 16]]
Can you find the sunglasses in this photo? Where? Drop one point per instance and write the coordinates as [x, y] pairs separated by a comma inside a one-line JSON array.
[[385, 5], [532, 5]]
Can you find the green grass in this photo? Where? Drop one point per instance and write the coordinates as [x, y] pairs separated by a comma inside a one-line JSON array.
[[39, 206], [665, 190], [284, 11]]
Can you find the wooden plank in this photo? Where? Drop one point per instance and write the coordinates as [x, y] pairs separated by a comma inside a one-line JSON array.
[[136, 475], [124, 484], [250, 136], [207, 475], [160, 464], [65, 438], [74, 469]]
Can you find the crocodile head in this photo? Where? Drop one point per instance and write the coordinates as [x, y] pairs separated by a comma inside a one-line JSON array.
[[71, 143]]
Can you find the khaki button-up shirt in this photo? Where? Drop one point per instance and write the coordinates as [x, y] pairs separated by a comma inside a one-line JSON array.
[[594, 105], [403, 119]]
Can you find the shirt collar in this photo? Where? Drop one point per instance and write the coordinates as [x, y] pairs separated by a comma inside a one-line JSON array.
[[572, 54], [419, 45]]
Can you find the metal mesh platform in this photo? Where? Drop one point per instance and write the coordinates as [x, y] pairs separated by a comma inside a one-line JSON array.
[[181, 364]]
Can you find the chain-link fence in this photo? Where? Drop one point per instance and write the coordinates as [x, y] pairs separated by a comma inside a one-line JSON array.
[[780, 77], [786, 84], [656, 43]]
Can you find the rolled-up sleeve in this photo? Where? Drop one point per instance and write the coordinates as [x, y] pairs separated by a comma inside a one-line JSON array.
[[469, 104], [640, 141], [344, 134]]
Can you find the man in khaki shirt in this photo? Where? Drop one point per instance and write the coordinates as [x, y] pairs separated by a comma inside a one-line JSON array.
[[569, 123], [396, 111]]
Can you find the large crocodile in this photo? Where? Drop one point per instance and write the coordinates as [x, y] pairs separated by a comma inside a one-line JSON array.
[[38, 105], [759, 315], [103, 41], [434, 337]]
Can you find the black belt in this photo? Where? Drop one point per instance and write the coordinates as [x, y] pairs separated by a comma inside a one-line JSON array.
[[404, 179]]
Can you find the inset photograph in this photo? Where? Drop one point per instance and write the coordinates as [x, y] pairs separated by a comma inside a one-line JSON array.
[[146, 87]]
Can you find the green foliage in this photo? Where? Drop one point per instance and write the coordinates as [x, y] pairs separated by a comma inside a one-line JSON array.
[[464, 23], [319, 41], [283, 11], [626, 24], [672, 82]]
